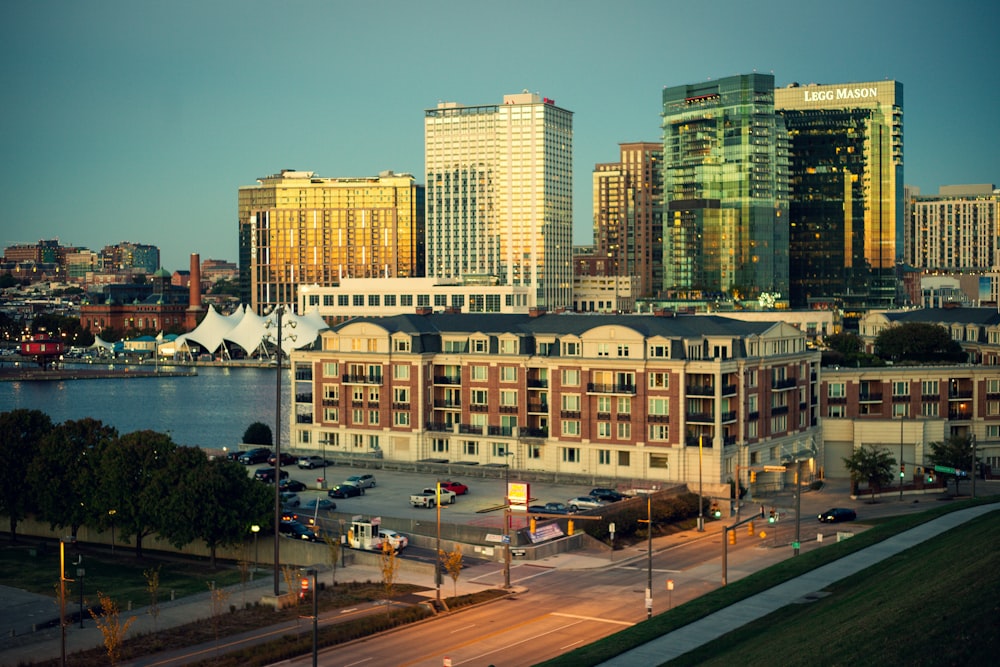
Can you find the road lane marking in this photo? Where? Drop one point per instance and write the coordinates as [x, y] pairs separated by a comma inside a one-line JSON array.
[[592, 618]]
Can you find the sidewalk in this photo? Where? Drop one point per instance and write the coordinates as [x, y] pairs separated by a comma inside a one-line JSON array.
[[690, 637]]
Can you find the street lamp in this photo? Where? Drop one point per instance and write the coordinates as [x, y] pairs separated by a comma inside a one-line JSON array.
[[701, 517], [255, 529], [112, 514], [278, 311], [62, 595], [974, 470]]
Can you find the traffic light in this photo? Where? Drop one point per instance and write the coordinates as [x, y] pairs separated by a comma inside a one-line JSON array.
[[753, 476], [750, 528], [770, 518], [732, 537], [569, 527], [930, 476], [716, 511], [902, 470], [533, 523], [303, 588]]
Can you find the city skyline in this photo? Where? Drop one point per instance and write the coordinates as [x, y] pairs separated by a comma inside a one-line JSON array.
[[139, 122]]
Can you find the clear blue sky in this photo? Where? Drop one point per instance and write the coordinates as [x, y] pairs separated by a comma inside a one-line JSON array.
[[127, 120]]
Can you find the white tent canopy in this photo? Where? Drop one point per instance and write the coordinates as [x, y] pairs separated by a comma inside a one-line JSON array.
[[252, 332]]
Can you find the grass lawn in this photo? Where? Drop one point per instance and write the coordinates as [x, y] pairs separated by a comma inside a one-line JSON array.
[[678, 617], [35, 568]]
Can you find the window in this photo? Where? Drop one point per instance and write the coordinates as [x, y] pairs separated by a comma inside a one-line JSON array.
[[401, 371], [993, 431], [423, 300], [406, 300], [357, 416], [752, 378], [604, 457], [659, 380], [508, 398], [373, 442], [752, 429], [570, 402], [401, 395], [508, 373], [624, 405], [835, 390], [659, 351], [373, 417], [401, 345], [930, 409], [624, 459], [900, 409], [603, 349], [603, 429], [993, 408], [571, 427], [389, 300], [604, 404], [779, 423], [659, 406], [478, 372], [373, 395], [343, 300], [331, 415], [659, 461], [441, 300], [499, 450], [624, 430], [534, 452], [479, 397], [479, 345], [508, 346], [570, 454], [331, 369], [571, 349], [359, 300], [470, 447], [440, 446], [401, 418], [357, 440], [900, 388], [623, 350], [659, 432], [545, 349], [752, 403], [571, 378], [835, 411], [373, 300]]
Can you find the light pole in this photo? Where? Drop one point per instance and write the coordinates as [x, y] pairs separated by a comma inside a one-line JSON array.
[[649, 553], [112, 514], [437, 555], [62, 596], [901, 464], [278, 311], [315, 591], [974, 470], [255, 529], [701, 516]]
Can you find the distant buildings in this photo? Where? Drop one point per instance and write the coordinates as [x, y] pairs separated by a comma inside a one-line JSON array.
[[499, 181], [296, 228], [956, 230]]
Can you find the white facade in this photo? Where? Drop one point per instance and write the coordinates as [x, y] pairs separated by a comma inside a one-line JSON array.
[[383, 297], [499, 194], [956, 230]]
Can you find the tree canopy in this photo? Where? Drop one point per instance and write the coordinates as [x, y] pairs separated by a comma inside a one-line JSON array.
[[258, 433], [20, 433], [871, 465], [955, 451], [918, 342]]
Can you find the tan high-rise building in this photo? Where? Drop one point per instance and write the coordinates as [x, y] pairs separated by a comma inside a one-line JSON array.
[[628, 216], [299, 229], [500, 195]]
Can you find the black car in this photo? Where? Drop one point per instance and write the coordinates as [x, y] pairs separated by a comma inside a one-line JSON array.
[[267, 475], [293, 485], [837, 514], [297, 531], [286, 459], [345, 491], [609, 495], [251, 456]]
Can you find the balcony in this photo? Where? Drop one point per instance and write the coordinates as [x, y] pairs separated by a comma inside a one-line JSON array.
[[500, 430], [303, 419], [693, 442], [960, 395], [728, 440], [331, 402], [447, 379], [699, 390], [440, 427], [701, 417], [541, 408], [304, 373], [753, 416], [786, 383], [623, 417], [604, 416], [960, 414], [779, 410], [534, 383], [836, 400], [569, 414], [400, 406], [361, 379], [479, 407], [304, 398], [728, 389], [658, 419], [534, 432], [470, 429], [595, 388], [447, 404], [869, 398], [508, 409], [728, 417]]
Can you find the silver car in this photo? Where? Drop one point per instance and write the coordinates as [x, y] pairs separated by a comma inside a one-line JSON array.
[[365, 481], [584, 503]]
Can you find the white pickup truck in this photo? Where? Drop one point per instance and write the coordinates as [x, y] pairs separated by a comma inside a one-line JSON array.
[[428, 498]]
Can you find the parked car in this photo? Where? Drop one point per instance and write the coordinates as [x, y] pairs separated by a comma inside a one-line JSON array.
[[455, 487], [837, 514], [585, 503], [365, 481], [267, 475], [345, 491], [257, 455], [610, 495], [297, 531], [321, 504], [551, 508], [290, 499], [310, 462], [293, 485], [286, 459], [398, 541]]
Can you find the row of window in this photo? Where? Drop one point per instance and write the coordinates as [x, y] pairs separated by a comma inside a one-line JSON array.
[[902, 388]]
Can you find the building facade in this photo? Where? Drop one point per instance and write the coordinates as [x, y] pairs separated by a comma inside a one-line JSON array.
[[499, 195], [619, 397], [846, 204], [725, 223], [956, 230], [628, 215], [296, 228]]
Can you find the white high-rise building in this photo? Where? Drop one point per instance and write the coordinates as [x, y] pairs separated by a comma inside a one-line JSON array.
[[499, 195]]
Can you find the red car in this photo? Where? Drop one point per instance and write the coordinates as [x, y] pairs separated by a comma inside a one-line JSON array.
[[457, 488]]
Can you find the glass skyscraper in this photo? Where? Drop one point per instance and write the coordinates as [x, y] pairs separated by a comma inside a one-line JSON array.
[[846, 203], [499, 195], [725, 225]]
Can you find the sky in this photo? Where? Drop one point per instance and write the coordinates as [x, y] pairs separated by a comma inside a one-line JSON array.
[[138, 121]]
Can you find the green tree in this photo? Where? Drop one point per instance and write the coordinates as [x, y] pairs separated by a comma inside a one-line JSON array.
[[258, 433], [955, 451], [64, 475], [214, 501], [918, 342], [132, 484], [871, 465], [20, 433]]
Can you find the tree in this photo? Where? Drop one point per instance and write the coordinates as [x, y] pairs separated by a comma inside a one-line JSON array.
[[390, 569], [847, 349], [871, 465], [64, 475], [954, 452], [110, 624], [20, 433], [333, 547], [918, 341], [132, 484], [258, 433], [452, 562]]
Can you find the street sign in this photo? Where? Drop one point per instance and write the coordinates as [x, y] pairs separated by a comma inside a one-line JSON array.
[[774, 468], [950, 471]]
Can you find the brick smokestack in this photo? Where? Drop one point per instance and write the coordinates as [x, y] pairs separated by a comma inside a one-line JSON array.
[[195, 309]]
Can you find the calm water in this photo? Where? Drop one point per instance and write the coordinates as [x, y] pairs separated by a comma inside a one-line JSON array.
[[211, 409]]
